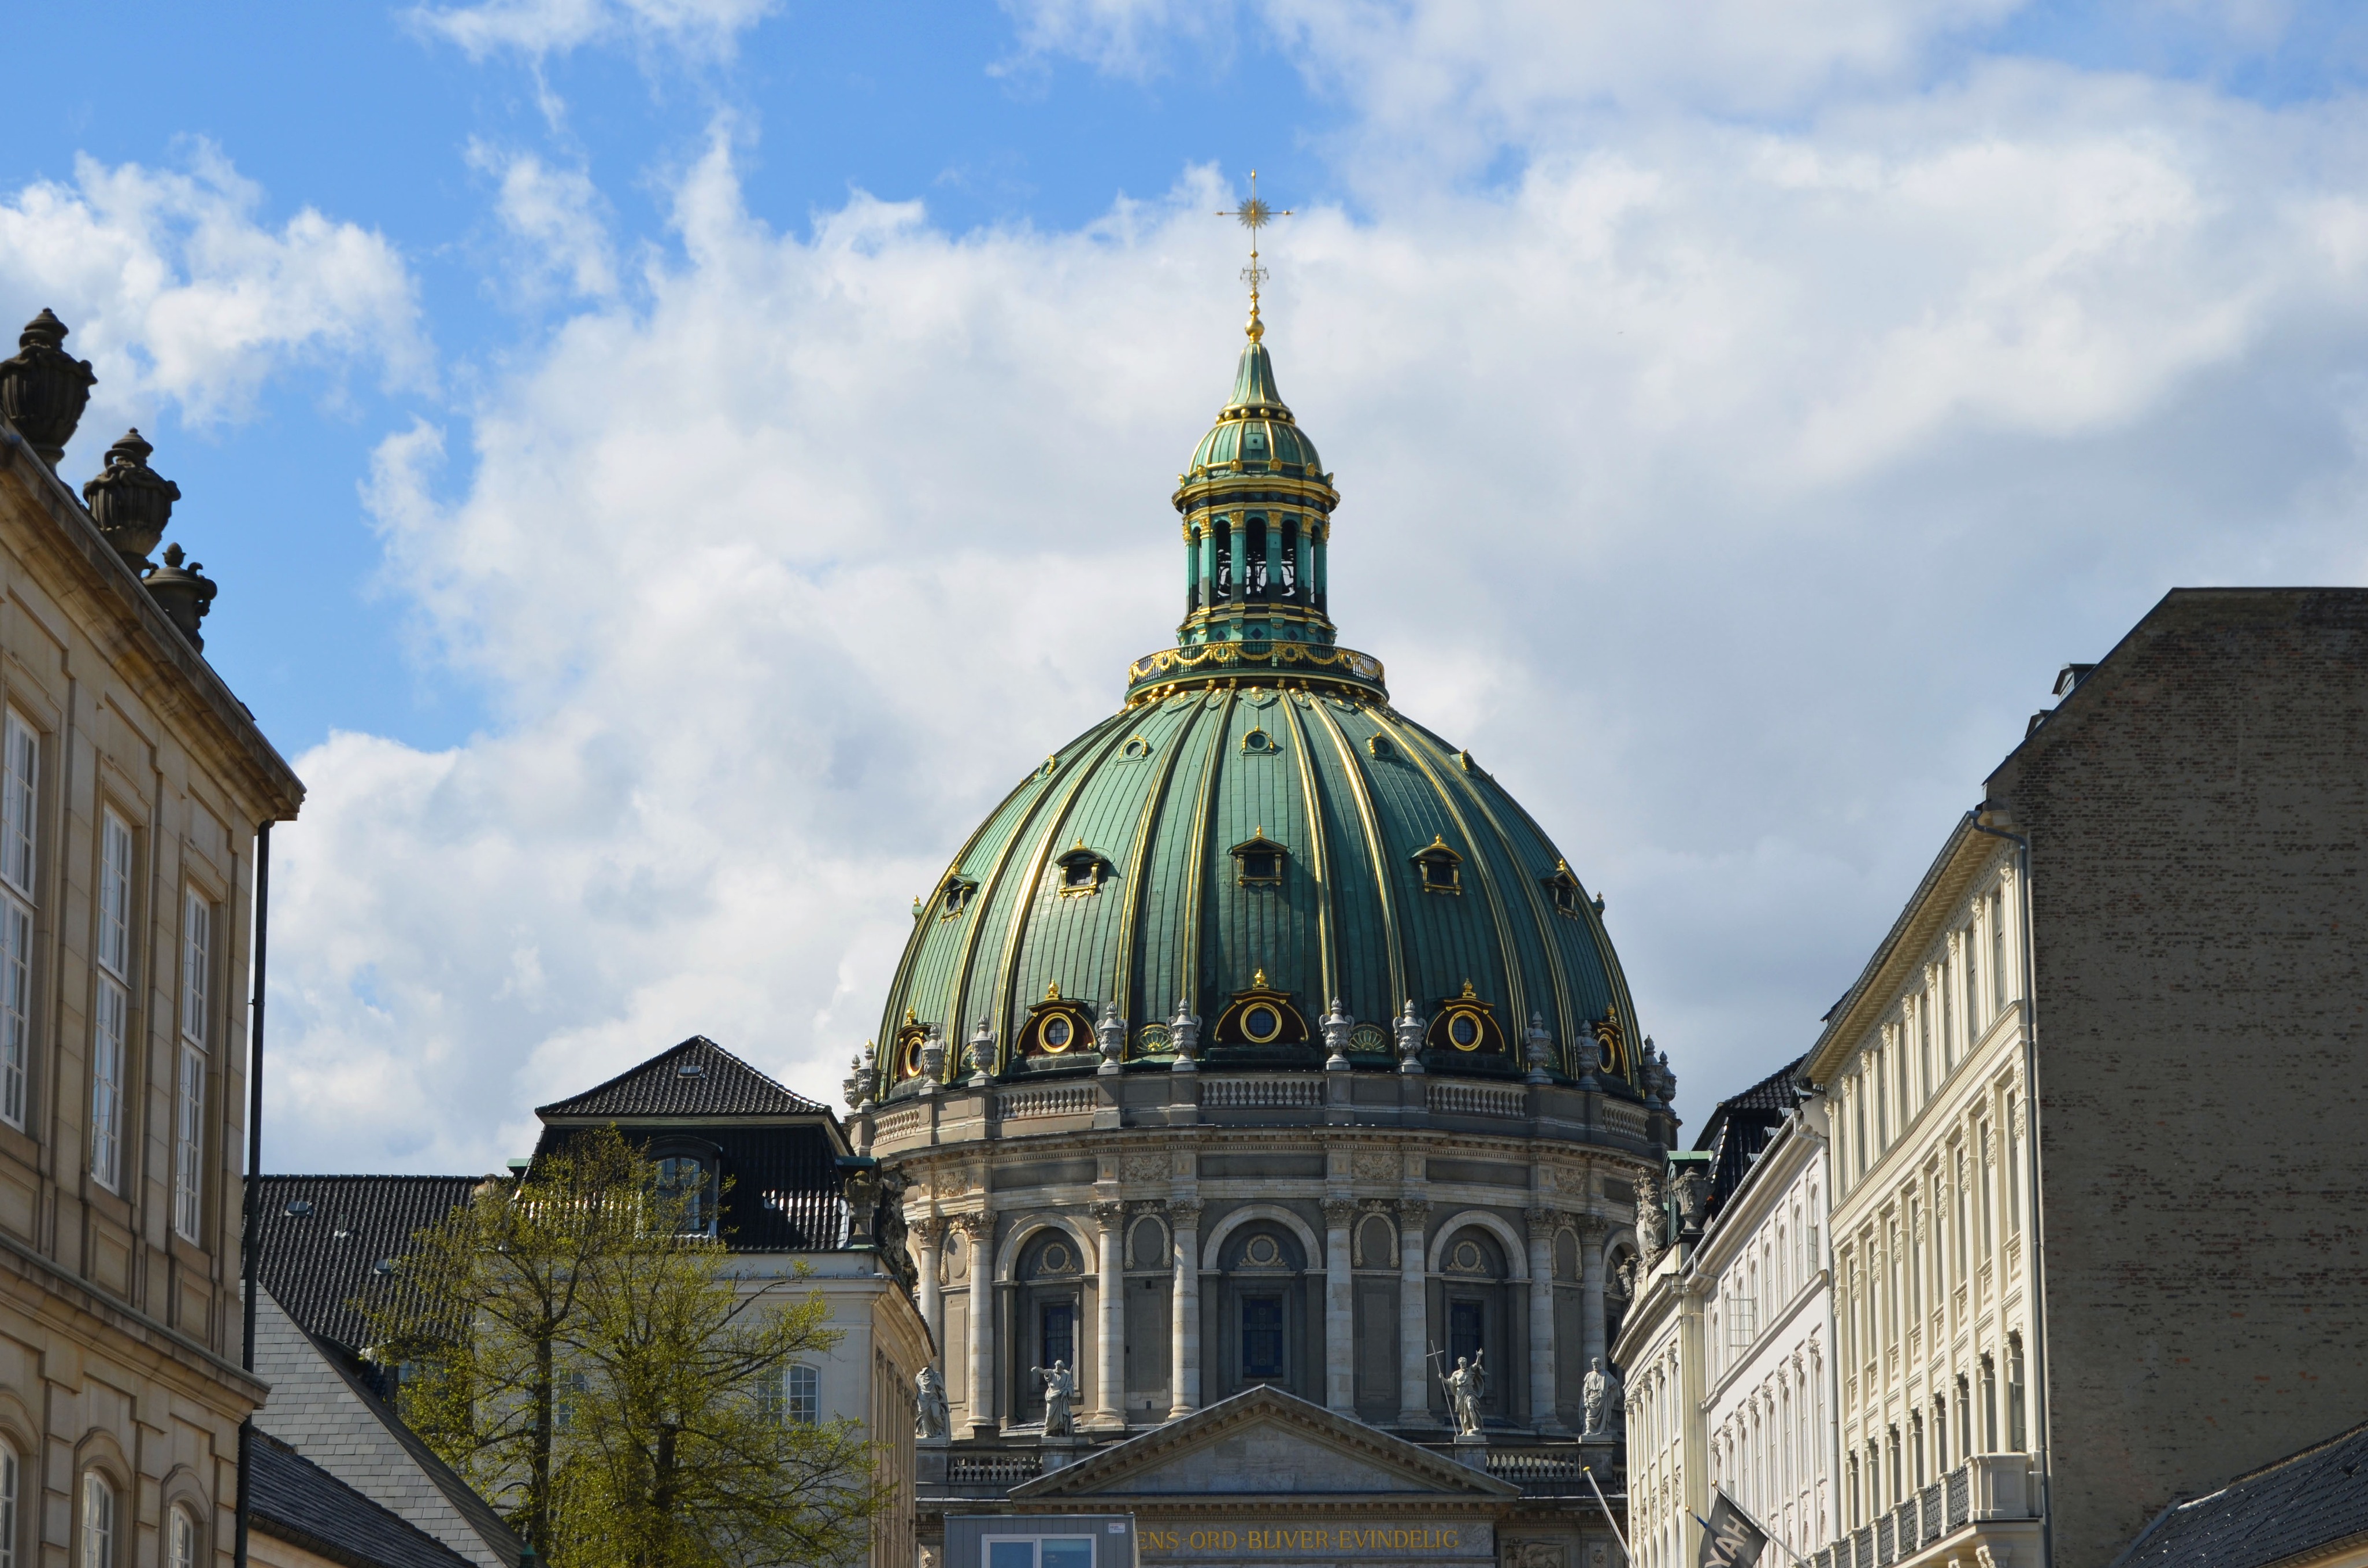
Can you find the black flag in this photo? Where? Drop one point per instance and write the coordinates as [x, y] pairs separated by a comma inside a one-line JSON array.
[[1729, 1538]]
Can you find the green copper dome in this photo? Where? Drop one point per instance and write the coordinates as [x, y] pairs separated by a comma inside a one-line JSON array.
[[1258, 858]]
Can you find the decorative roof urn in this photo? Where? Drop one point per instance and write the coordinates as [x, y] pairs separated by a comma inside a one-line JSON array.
[[43, 388], [130, 501], [184, 594]]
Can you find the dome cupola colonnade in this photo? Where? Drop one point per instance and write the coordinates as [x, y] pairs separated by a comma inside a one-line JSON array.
[[1260, 1036]]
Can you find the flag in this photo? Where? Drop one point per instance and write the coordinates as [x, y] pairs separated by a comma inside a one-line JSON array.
[[1729, 1538]]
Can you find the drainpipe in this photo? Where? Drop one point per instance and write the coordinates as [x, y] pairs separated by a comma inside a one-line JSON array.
[[250, 1249], [1983, 819]]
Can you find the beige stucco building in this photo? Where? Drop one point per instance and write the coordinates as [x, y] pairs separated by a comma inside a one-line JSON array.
[[131, 786]]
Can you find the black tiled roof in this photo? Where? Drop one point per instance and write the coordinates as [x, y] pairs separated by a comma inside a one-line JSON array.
[[1741, 1127], [721, 1085], [782, 1190], [2301, 1505], [297, 1502], [325, 1236]]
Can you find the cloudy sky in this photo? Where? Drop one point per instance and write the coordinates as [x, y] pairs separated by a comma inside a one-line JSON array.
[[672, 464]]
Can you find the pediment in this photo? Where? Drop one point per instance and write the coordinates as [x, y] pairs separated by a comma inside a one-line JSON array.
[[1263, 1441]]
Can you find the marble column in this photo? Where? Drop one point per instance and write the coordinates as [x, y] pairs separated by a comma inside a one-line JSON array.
[[980, 1230], [1592, 1229], [928, 1236], [1339, 1307], [1110, 1373], [1184, 1350], [1542, 1417], [1413, 1314]]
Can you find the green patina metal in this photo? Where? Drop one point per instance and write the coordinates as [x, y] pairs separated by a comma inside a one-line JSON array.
[[1257, 731]]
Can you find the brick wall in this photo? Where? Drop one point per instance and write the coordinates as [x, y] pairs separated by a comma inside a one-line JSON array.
[[2198, 815]]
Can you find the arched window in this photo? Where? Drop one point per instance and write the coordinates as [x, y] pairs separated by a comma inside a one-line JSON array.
[[181, 1538], [97, 1521], [688, 1178]]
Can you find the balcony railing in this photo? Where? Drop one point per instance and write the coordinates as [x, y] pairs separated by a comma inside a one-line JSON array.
[[1264, 1092], [1539, 1475], [993, 1470], [1478, 1099], [1066, 1099]]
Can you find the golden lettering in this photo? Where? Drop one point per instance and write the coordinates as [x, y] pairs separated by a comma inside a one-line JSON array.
[[1276, 1538]]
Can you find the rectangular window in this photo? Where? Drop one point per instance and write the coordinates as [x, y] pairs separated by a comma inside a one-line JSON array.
[[15, 1006], [197, 965], [1261, 1336], [8, 1481], [97, 1521], [1948, 1011], [1924, 1026], [1998, 952], [1989, 1406], [188, 1145], [109, 1017], [1039, 1551], [1465, 1330], [1915, 1262], [1982, 1175], [1056, 1339], [1973, 976], [115, 896], [2015, 1434], [17, 771], [804, 1401], [1958, 1155], [2014, 1178]]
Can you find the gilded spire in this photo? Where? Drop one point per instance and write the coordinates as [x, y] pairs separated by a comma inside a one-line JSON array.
[[1255, 215]]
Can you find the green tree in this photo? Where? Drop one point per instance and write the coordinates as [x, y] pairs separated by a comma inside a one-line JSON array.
[[576, 1347]]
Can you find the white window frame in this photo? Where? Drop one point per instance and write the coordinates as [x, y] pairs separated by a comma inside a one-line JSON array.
[[110, 1013], [1036, 1540], [98, 1520], [189, 1145], [10, 1479], [110, 1007], [21, 757], [196, 966], [801, 1395], [180, 1537]]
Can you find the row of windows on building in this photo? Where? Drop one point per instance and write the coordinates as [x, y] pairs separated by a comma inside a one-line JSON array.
[[1965, 988], [1755, 1289], [1905, 1461], [1768, 1455], [794, 1397], [112, 986], [100, 1539]]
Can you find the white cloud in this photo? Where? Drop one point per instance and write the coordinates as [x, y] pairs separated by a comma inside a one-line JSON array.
[[556, 223], [176, 290], [1732, 493], [539, 29]]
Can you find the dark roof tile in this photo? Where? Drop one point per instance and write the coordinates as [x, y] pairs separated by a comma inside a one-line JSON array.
[[297, 1501], [698, 1077], [2300, 1504], [325, 1236]]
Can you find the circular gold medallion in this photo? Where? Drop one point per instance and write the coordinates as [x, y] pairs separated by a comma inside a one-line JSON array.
[[1261, 1023]]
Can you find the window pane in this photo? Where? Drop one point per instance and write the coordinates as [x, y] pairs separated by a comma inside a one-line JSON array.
[[1068, 1552], [197, 965], [98, 1522], [8, 1507], [17, 805], [1262, 1337], [15, 1006], [1010, 1554], [805, 1395], [188, 1145], [1058, 1338], [106, 1080], [115, 895]]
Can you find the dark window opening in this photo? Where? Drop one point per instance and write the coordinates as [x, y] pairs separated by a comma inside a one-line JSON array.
[[1057, 1334], [1290, 558], [1260, 866], [1466, 1326], [1261, 1337]]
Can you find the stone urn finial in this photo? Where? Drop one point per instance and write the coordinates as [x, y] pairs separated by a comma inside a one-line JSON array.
[[1541, 1044], [1184, 1036], [43, 388], [1409, 1032], [933, 1058], [1337, 1025], [130, 501], [1110, 1035], [857, 1087], [185, 595], [981, 1055]]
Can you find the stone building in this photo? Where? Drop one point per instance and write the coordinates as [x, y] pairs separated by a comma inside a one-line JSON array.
[[1258, 1041], [1730, 1344], [2097, 1230], [794, 1203], [132, 784]]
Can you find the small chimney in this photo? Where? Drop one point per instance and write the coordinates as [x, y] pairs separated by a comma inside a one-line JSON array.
[[184, 595], [43, 388], [130, 501]]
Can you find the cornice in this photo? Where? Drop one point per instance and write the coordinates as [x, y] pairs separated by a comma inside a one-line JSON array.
[[96, 578]]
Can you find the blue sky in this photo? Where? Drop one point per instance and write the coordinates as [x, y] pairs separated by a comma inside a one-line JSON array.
[[670, 462]]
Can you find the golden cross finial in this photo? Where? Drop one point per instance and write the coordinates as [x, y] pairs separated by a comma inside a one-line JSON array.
[[1255, 215]]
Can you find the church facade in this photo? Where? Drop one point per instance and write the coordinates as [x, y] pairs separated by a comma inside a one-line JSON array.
[[1262, 1086]]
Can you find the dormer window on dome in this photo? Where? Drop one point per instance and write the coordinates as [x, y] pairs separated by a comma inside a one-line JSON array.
[[954, 895], [1081, 871], [1258, 860], [1258, 743], [1563, 889], [1442, 868]]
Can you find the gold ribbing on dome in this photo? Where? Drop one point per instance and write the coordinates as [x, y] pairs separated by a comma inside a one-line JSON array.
[[1255, 215]]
